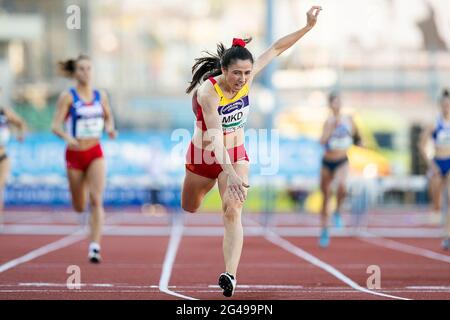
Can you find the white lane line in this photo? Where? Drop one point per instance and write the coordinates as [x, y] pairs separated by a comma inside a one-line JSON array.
[[75, 237], [78, 291], [398, 246], [112, 285], [286, 245], [445, 288], [47, 284], [211, 231], [171, 253], [56, 245], [211, 290], [200, 287], [263, 286]]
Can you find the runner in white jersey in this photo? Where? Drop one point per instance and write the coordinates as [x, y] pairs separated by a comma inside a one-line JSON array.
[[85, 112]]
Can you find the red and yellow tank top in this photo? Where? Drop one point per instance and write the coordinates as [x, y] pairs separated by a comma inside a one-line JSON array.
[[233, 112]]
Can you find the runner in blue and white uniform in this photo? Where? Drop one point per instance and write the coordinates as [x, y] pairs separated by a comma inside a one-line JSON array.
[[85, 112], [338, 136], [439, 165]]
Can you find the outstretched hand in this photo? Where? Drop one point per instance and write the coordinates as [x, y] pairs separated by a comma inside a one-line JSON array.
[[312, 15]]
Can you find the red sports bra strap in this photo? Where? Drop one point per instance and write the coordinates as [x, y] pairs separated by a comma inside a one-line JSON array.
[[213, 81]]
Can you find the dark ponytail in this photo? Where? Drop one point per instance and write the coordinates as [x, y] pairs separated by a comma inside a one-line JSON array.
[[445, 94], [68, 67], [211, 65]]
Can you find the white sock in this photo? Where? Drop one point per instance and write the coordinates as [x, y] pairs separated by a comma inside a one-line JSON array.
[[94, 246]]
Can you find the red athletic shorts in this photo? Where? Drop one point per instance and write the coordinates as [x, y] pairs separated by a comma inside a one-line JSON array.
[[205, 164], [81, 160]]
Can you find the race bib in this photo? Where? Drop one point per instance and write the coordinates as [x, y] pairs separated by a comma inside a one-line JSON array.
[[89, 127], [340, 143], [443, 138]]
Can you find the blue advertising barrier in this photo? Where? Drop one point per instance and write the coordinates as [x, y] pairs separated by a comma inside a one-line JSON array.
[[139, 165]]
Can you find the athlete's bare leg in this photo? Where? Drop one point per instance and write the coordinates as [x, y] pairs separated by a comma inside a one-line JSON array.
[[232, 212], [78, 189], [195, 187], [95, 179], [447, 217], [326, 178], [341, 180], [4, 172]]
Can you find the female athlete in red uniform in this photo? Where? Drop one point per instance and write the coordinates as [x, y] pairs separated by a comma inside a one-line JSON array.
[[216, 153], [85, 113]]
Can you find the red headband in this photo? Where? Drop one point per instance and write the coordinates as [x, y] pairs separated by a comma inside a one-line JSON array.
[[238, 42]]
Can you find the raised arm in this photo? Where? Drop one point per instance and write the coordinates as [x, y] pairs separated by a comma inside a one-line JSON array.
[[209, 100], [109, 118], [286, 42], [16, 121]]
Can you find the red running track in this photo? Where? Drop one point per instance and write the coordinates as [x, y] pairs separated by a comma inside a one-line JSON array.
[[133, 266]]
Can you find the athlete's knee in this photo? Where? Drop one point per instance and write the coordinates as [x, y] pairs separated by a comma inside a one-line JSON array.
[[189, 206], [342, 191], [326, 192], [232, 210], [190, 209], [79, 207], [96, 200], [232, 215]]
